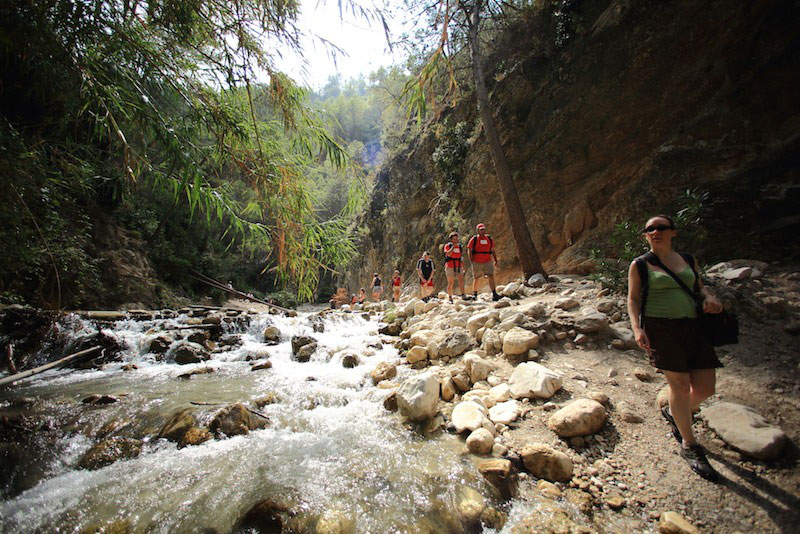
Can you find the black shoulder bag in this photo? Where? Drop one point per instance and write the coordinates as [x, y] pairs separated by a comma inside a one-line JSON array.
[[718, 328]]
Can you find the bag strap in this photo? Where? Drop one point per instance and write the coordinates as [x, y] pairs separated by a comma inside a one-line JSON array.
[[655, 260]]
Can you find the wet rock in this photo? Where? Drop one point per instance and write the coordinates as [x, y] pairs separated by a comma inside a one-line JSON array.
[[468, 415], [349, 361], [531, 380], [177, 425], [580, 499], [675, 523], [300, 341], [194, 436], [233, 420], [199, 336], [272, 335], [418, 397], [505, 412], [305, 352], [547, 463], [470, 504], [744, 429], [501, 475], [480, 441], [455, 343], [390, 402], [160, 344], [265, 400], [383, 371], [266, 516], [130, 367], [120, 526], [518, 340], [109, 451], [392, 329], [112, 427], [100, 399], [580, 417], [187, 352], [198, 371], [335, 522], [548, 489], [261, 366]]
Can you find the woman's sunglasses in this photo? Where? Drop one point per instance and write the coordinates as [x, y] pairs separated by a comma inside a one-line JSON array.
[[660, 228]]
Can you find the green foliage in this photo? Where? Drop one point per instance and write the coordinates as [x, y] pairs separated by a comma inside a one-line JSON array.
[[451, 152]]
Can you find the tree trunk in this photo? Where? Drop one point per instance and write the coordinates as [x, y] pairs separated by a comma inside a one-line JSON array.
[[526, 250]]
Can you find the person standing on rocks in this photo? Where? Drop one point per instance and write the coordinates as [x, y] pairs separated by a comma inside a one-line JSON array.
[[425, 270], [483, 259], [664, 322], [397, 286], [453, 264], [377, 287]]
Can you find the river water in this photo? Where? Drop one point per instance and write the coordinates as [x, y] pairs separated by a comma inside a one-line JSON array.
[[330, 444]]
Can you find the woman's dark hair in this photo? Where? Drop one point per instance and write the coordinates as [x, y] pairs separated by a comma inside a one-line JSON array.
[[662, 216]]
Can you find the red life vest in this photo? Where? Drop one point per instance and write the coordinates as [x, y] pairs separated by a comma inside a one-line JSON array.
[[481, 248], [452, 255], [395, 280]]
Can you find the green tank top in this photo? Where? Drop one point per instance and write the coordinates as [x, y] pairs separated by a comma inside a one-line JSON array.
[[666, 299]]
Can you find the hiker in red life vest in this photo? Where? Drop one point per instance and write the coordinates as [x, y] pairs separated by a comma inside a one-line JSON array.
[[483, 258], [453, 264], [425, 271], [397, 286]]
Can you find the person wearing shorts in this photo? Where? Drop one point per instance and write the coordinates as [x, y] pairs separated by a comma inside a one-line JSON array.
[[453, 264], [664, 323], [483, 259], [425, 270], [397, 286], [377, 287]]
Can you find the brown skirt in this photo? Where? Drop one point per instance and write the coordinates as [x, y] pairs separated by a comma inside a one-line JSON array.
[[677, 345]]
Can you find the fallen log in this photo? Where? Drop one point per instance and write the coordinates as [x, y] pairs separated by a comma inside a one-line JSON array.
[[52, 365], [228, 289]]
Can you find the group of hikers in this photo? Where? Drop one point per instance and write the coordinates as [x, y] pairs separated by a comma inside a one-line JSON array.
[[667, 328], [481, 253]]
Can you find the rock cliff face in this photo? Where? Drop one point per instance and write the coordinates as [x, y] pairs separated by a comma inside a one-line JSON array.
[[611, 119]]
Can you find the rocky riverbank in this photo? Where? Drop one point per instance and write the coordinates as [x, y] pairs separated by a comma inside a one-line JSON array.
[[547, 387]]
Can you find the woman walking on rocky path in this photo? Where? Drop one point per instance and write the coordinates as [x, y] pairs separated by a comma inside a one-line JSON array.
[[397, 286], [664, 322]]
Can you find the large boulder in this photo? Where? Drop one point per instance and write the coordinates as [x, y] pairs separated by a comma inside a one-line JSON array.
[[547, 463], [455, 343], [421, 338], [531, 380], [305, 352], [177, 425], [418, 397], [187, 352], [272, 335], [518, 341], [109, 451], [416, 354], [590, 322], [468, 415], [535, 310], [300, 341], [232, 420], [580, 417], [511, 290], [505, 412], [744, 429], [383, 371]]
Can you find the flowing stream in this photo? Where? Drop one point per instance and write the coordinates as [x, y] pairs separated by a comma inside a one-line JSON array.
[[330, 444]]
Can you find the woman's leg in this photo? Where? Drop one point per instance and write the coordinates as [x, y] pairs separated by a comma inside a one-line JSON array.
[[449, 282], [702, 382], [679, 403]]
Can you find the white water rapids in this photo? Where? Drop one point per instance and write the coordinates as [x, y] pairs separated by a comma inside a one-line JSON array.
[[330, 444]]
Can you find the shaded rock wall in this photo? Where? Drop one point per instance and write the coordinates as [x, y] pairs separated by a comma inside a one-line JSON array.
[[644, 100]]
